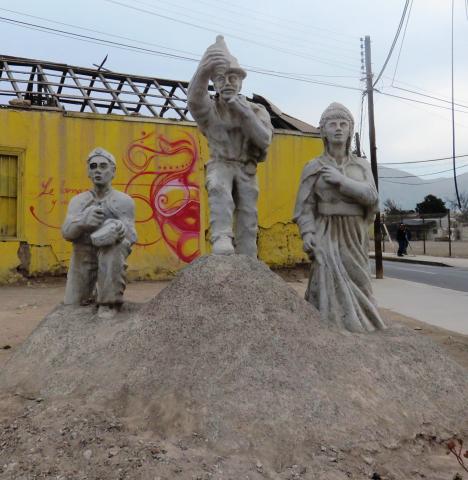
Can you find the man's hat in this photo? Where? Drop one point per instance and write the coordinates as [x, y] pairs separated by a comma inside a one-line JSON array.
[[100, 152], [233, 64]]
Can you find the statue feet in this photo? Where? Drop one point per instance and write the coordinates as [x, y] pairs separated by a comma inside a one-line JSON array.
[[223, 246], [105, 312]]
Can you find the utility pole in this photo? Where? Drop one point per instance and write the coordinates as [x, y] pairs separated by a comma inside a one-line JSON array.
[[373, 156]]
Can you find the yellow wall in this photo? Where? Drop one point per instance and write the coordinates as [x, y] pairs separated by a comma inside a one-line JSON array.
[[159, 163]]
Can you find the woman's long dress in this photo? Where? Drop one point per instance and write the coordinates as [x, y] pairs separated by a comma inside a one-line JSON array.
[[338, 217]]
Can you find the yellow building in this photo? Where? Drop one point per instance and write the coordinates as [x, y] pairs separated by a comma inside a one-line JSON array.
[[56, 114]]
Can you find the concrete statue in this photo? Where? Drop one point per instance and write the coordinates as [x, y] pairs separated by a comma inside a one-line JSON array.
[[101, 225], [239, 133], [335, 204]]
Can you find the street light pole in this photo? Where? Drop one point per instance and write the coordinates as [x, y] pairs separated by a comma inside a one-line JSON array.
[[373, 157]]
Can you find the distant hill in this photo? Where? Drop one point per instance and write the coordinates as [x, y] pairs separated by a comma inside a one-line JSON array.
[[409, 191]]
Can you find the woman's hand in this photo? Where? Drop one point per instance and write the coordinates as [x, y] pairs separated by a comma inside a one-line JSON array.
[[332, 175], [309, 243]]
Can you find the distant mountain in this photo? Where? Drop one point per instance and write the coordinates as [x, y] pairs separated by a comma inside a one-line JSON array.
[[409, 191]]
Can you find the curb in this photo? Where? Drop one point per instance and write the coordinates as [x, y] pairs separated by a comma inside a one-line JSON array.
[[410, 260]]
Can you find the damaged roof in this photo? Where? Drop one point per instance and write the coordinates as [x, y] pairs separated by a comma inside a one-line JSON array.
[[36, 84]]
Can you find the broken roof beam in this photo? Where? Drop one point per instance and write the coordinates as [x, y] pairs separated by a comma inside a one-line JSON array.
[[45, 82], [86, 99], [142, 97], [169, 100], [114, 94], [12, 79]]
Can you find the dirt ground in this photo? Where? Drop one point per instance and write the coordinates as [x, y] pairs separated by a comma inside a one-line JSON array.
[[23, 306], [436, 249], [97, 445]]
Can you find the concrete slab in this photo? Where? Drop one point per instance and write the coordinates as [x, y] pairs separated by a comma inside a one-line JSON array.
[[437, 306]]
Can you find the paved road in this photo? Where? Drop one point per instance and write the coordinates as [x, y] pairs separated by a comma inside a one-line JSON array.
[[445, 277]]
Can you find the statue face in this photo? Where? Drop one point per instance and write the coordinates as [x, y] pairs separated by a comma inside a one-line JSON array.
[[101, 171], [227, 85], [336, 130]]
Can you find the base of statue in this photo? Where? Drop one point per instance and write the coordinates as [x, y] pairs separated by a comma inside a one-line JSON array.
[[227, 373]]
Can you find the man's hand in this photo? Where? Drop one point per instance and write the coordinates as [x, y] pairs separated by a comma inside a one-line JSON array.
[[240, 105], [213, 60], [94, 217], [332, 175], [309, 243], [120, 230]]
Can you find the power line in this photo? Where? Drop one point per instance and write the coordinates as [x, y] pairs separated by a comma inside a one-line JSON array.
[[426, 174], [423, 161], [279, 20], [422, 184], [402, 40], [238, 37], [453, 123], [197, 56], [121, 37], [428, 96], [417, 101], [101, 41], [234, 23], [395, 39]]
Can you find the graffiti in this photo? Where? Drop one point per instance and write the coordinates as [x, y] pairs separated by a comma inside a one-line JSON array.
[[163, 182], [55, 193], [166, 191]]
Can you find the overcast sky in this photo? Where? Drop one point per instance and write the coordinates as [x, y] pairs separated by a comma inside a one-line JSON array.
[[318, 41]]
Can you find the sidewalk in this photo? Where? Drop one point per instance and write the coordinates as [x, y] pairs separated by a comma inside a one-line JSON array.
[[425, 260], [437, 306]]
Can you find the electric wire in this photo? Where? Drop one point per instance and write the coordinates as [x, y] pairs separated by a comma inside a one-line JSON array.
[[238, 37], [428, 96], [278, 20], [425, 161], [395, 39], [417, 101], [425, 174], [161, 46], [258, 27], [453, 119], [133, 48], [402, 40]]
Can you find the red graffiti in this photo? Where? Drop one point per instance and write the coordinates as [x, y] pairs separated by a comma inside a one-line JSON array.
[[170, 190]]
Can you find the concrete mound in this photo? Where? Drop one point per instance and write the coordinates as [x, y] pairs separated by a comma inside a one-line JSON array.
[[230, 353]]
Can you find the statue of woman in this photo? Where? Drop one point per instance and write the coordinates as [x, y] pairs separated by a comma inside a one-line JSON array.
[[335, 204]]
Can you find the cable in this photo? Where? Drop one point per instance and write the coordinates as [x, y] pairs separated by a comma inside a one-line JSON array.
[[279, 20], [397, 34], [96, 31], [160, 46], [428, 96], [238, 37], [402, 40], [422, 184], [226, 20], [453, 124], [425, 174], [424, 161], [417, 101], [133, 48], [94, 39]]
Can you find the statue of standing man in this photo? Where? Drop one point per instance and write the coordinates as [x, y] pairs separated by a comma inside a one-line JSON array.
[[239, 133], [101, 225]]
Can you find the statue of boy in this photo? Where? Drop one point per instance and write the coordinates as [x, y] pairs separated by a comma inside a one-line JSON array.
[[239, 133], [335, 204], [101, 225]]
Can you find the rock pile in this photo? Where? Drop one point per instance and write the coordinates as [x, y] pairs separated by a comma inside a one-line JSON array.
[[230, 354]]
